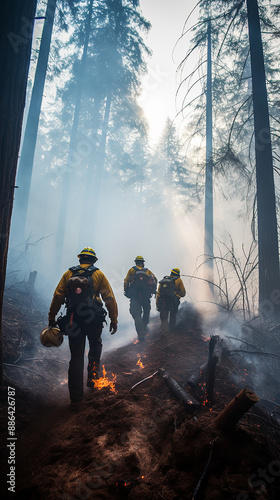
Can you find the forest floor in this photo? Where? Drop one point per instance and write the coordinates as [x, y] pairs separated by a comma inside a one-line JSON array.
[[135, 444]]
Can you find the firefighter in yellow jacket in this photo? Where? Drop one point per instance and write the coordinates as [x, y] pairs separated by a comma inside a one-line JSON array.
[[139, 285], [170, 290], [81, 287]]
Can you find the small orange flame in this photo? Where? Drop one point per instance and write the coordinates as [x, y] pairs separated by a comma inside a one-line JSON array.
[[139, 362], [105, 382]]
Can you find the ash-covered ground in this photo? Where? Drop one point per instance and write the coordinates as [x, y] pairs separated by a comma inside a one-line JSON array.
[[135, 444]]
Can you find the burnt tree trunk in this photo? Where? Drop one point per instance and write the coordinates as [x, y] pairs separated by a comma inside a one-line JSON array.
[[189, 402], [267, 222], [235, 410], [16, 29]]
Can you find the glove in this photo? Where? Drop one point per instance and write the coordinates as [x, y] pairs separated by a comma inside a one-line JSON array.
[[52, 322], [113, 328]]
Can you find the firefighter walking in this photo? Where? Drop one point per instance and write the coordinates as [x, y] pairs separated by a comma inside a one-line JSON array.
[[81, 287], [170, 290], [139, 285]]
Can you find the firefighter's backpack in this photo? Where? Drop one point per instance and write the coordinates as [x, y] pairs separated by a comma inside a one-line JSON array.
[[141, 281], [167, 286], [83, 309]]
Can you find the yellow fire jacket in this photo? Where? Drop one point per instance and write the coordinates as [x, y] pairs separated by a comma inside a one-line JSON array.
[[179, 290], [101, 286], [130, 274]]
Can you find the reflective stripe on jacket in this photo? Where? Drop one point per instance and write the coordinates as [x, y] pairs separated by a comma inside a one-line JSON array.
[[101, 286]]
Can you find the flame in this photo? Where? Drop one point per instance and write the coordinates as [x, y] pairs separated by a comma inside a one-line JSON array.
[[139, 362], [105, 382]]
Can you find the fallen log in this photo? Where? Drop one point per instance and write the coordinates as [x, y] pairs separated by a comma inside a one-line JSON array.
[[190, 403], [235, 410], [198, 376]]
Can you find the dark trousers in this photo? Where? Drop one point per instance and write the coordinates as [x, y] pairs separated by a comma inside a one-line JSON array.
[[168, 310], [76, 365], [139, 309]]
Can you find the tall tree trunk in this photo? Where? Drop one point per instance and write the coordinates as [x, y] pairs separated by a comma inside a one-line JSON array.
[[16, 28], [267, 223], [86, 212], [73, 153], [208, 221], [101, 156], [30, 137]]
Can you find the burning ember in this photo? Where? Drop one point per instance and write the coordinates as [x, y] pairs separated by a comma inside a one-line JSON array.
[[139, 362], [105, 382]]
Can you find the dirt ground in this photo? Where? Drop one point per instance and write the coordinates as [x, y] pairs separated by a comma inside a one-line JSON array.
[[136, 443]]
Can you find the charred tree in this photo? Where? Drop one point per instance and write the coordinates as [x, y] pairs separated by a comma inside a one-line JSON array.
[[30, 137], [267, 221], [189, 402], [235, 410], [16, 29]]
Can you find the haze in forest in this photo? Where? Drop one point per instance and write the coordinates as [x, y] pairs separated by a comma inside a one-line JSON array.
[[118, 186]]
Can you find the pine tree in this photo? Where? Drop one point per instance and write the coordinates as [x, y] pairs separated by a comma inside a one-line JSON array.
[[229, 21]]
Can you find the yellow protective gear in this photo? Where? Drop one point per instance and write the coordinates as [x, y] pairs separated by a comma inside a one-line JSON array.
[[87, 251], [179, 290], [51, 337], [139, 258], [175, 272], [101, 286], [130, 274]]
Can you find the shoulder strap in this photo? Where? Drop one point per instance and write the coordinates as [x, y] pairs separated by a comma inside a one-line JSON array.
[[142, 269], [88, 270], [74, 268]]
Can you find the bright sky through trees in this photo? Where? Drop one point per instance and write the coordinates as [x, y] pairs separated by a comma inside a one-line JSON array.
[[159, 85]]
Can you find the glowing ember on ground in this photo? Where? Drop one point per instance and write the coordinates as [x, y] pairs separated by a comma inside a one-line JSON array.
[[139, 362], [105, 382]]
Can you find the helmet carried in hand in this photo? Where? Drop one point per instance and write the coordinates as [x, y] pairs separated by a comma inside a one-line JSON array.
[[51, 337]]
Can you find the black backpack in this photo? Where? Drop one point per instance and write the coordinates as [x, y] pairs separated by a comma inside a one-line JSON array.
[[141, 282], [82, 309], [167, 286]]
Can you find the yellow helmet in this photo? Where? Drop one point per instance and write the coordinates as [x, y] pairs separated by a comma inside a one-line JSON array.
[[51, 337], [139, 258], [88, 251], [175, 271]]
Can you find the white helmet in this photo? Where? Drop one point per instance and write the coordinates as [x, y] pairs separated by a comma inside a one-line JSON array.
[[51, 337]]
